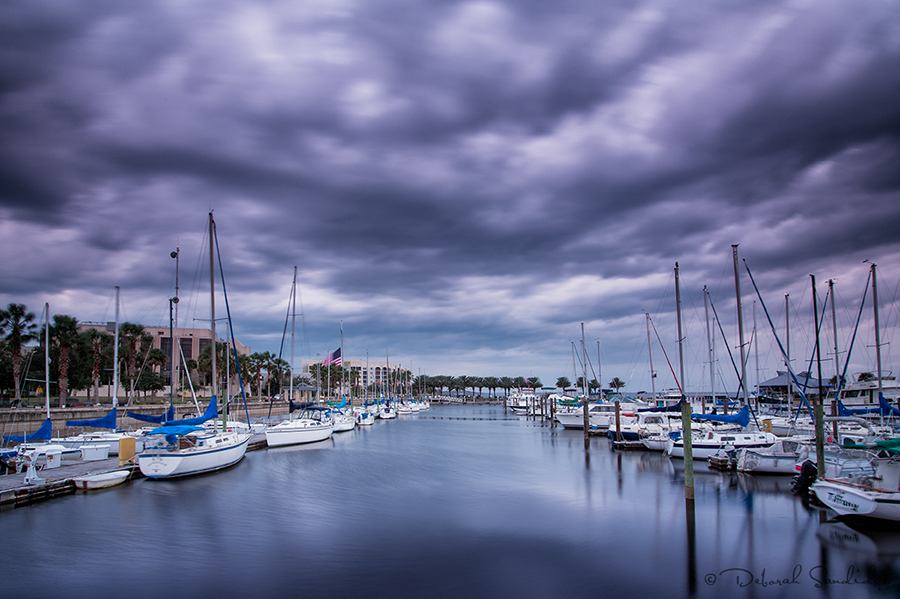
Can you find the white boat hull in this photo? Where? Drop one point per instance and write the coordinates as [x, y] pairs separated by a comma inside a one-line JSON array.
[[212, 456], [294, 432], [852, 500], [101, 481]]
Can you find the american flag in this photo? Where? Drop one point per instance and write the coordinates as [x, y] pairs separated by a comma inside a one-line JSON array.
[[333, 358]]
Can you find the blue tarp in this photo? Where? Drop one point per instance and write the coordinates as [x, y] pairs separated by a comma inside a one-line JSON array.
[[210, 413], [884, 408], [108, 421], [298, 406], [742, 417], [174, 431], [169, 416], [673, 408], [41, 434]]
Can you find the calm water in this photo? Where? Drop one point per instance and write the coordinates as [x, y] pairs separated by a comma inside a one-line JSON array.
[[453, 502]]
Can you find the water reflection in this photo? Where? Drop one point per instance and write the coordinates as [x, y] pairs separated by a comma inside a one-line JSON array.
[[462, 502]]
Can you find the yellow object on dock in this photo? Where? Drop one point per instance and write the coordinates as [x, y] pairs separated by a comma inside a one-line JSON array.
[[126, 450]]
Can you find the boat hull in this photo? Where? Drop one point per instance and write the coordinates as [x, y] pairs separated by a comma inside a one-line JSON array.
[[297, 432], [852, 501], [101, 481]]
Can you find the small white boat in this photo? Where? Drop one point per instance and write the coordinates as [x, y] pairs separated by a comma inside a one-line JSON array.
[[875, 496], [101, 481], [343, 422], [780, 458]]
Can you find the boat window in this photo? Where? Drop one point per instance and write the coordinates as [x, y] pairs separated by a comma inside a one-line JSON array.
[[728, 438]]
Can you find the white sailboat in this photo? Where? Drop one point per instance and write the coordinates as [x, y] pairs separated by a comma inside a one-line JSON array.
[[302, 429], [184, 448]]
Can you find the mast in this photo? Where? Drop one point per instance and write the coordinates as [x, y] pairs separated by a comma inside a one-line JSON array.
[[787, 352], [293, 319], [877, 333], [837, 365], [343, 388], [680, 337], [818, 412], [47, 358], [599, 374], [709, 345], [173, 334], [584, 386], [755, 355], [650, 351], [115, 400], [740, 317], [212, 322]]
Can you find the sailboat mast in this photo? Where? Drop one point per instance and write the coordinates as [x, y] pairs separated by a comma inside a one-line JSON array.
[[818, 408], [650, 352], [115, 398], [740, 317], [680, 336], [787, 352], [709, 346], [584, 385], [877, 333], [212, 322], [47, 358], [293, 320], [175, 371]]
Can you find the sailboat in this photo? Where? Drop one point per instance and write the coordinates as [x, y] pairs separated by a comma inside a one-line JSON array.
[[184, 448], [305, 429]]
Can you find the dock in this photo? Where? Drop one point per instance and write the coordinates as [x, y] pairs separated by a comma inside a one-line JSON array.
[[60, 481]]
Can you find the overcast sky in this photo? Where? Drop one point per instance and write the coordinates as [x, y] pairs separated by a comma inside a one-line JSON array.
[[462, 184]]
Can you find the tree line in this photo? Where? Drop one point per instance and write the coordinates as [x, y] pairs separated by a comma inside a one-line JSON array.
[[83, 360]]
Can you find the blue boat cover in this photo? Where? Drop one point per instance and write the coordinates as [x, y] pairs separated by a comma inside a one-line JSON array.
[[174, 431], [41, 434], [673, 408], [210, 413], [298, 406], [742, 417], [169, 416], [884, 408], [108, 421]]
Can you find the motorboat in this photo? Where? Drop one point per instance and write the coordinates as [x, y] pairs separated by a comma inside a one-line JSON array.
[[779, 458], [875, 496], [715, 441]]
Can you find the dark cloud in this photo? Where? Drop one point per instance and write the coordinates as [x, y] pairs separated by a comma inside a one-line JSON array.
[[462, 182]]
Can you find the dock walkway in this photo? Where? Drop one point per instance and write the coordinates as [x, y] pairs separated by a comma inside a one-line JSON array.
[[60, 481]]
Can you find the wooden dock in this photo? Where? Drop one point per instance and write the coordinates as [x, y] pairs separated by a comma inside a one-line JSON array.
[[60, 481]]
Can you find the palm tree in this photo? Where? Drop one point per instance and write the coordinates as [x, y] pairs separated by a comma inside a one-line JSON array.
[[617, 383], [65, 332], [18, 325], [132, 336], [96, 340], [257, 363], [562, 382], [507, 383]]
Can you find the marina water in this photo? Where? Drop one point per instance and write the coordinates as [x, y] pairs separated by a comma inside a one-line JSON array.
[[457, 501]]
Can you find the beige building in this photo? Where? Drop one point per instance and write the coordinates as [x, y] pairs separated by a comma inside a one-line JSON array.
[[191, 341]]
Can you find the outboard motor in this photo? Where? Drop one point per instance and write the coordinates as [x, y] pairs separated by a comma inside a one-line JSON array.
[[802, 482]]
